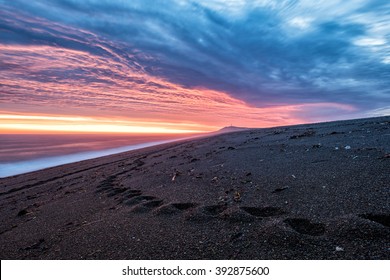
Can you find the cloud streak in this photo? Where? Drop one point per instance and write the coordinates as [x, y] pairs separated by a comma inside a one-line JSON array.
[[254, 63]]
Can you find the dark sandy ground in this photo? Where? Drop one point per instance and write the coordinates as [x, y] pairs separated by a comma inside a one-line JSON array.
[[317, 191]]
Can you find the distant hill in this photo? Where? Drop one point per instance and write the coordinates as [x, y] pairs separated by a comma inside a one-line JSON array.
[[227, 129]]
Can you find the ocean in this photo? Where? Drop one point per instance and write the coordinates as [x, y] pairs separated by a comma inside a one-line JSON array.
[[22, 153]]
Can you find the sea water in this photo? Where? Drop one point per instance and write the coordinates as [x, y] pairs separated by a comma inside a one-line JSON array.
[[22, 153]]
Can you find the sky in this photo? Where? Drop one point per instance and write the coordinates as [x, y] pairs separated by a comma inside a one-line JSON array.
[[187, 66]]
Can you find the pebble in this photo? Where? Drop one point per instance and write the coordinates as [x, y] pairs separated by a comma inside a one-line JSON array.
[[339, 249]]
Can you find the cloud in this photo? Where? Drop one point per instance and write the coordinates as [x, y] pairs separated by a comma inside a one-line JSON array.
[[261, 53]]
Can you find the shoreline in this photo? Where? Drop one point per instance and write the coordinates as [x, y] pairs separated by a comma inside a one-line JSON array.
[[9, 169], [314, 191]]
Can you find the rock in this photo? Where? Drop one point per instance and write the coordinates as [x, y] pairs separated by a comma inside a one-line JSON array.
[[339, 249]]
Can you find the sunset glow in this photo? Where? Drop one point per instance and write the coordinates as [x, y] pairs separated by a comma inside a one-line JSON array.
[[47, 124], [187, 67]]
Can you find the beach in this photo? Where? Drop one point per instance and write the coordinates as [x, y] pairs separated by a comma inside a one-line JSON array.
[[313, 191], [23, 153]]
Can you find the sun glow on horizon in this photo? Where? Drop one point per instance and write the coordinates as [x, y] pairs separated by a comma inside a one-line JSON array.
[[19, 123], [11, 123]]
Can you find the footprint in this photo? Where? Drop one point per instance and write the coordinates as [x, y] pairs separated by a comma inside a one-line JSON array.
[[174, 208], [236, 215], [184, 206], [103, 188], [198, 214], [214, 210], [378, 218], [106, 184], [305, 226], [153, 203], [139, 162], [205, 213], [132, 193], [147, 206], [139, 199], [264, 211], [22, 212], [37, 246], [115, 191], [167, 209], [28, 210]]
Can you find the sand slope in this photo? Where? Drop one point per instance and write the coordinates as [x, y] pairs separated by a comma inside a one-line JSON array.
[[317, 191]]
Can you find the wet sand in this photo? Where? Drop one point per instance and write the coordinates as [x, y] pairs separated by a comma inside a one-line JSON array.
[[317, 191]]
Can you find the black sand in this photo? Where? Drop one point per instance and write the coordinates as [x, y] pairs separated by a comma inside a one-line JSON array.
[[317, 191]]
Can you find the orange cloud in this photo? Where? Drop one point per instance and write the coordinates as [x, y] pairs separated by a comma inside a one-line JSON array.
[[47, 77], [58, 89]]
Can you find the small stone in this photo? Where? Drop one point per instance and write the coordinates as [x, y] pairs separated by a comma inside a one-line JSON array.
[[237, 196], [347, 147], [339, 249]]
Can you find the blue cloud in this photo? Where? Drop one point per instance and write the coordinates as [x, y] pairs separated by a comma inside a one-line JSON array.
[[290, 52]]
